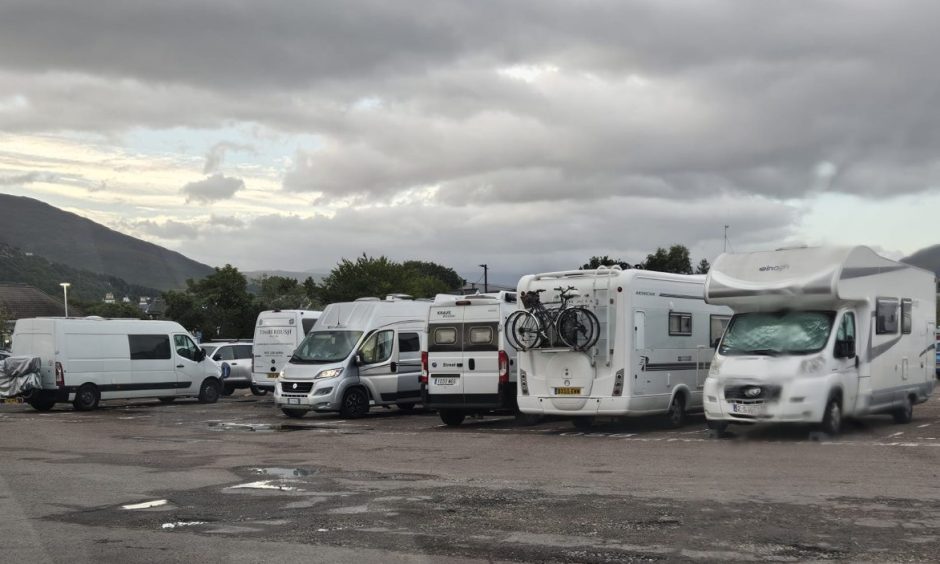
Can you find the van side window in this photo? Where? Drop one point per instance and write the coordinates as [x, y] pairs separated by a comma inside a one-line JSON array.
[[846, 328], [480, 335], [149, 347], [886, 313], [225, 353], [308, 323], [409, 343], [680, 324], [907, 324], [717, 326], [243, 351], [185, 347], [378, 347], [445, 336]]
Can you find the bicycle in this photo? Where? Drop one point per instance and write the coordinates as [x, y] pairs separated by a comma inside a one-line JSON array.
[[537, 326]]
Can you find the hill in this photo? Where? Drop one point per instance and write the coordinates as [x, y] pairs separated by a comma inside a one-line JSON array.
[[17, 266], [80, 243], [928, 258]]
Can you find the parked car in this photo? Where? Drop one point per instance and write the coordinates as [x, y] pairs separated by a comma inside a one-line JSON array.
[[238, 356]]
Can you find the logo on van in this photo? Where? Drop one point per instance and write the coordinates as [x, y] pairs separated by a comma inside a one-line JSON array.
[[444, 313], [775, 268]]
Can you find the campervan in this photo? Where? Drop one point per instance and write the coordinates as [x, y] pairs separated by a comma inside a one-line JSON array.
[[818, 335], [92, 359], [359, 354], [277, 333], [651, 355], [468, 367]]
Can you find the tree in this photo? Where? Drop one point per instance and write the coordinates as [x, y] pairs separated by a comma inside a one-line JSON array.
[[369, 276], [676, 260], [111, 311], [219, 305], [448, 276], [281, 292], [605, 260], [703, 267]]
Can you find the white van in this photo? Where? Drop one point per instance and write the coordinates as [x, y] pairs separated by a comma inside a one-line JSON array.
[[468, 367], [277, 334], [361, 353], [651, 356], [820, 334], [88, 360]]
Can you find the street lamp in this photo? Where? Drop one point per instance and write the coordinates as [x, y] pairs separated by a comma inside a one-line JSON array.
[[65, 294]]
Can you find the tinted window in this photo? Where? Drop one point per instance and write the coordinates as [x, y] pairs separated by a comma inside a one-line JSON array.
[[243, 351], [907, 322], [887, 316], [409, 343], [149, 347], [307, 323], [378, 347], [680, 324]]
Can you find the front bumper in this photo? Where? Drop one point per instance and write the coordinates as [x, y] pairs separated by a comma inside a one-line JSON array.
[[795, 401], [320, 396]]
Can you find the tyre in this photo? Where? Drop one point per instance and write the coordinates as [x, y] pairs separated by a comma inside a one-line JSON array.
[[905, 413], [832, 418], [294, 413], [578, 328], [41, 402], [409, 407], [167, 399], [523, 330], [676, 413], [717, 426], [86, 398], [256, 391], [583, 423], [227, 390], [452, 417], [210, 391], [355, 404]]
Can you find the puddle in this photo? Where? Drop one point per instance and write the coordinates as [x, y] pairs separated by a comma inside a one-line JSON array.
[[266, 427], [146, 504], [262, 485], [180, 524], [285, 473]]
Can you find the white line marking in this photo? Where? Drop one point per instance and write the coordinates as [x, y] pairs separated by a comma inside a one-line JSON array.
[[924, 425], [146, 504]]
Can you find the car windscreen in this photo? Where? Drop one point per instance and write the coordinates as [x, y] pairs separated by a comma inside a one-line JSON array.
[[209, 349], [785, 332], [326, 346]]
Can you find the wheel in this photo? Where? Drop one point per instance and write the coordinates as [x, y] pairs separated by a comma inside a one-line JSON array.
[[523, 330], [227, 390], [832, 419], [355, 404], [210, 391], [86, 398], [294, 413], [40, 402], [167, 399], [409, 407], [583, 423], [717, 426], [452, 417], [676, 413], [256, 391], [578, 328], [905, 413]]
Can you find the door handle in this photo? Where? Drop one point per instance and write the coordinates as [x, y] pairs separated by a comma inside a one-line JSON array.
[[472, 364], [393, 366], [234, 363], [179, 366]]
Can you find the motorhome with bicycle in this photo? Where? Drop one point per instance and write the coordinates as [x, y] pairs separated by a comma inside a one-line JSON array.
[[633, 342], [277, 333], [818, 335], [92, 359], [359, 354], [468, 367]]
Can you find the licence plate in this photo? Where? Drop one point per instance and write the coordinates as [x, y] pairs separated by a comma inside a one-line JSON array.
[[12, 400], [272, 376], [567, 391], [445, 381], [293, 401], [746, 409]]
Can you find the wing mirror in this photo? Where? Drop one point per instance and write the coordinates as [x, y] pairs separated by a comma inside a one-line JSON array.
[[845, 349], [359, 359], [200, 355]]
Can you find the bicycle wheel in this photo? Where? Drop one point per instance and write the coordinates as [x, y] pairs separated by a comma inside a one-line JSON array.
[[578, 328], [523, 330]]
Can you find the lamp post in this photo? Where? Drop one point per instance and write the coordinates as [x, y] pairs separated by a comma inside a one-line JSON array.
[[65, 294]]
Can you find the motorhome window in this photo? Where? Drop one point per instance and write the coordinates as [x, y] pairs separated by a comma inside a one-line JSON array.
[[185, 347], [680, 324], [308, 323], [886, 316], [409, 343], [481, 335], [907, 324], [717, 326], [326, 346], [786, 332], [243, 352], [149, 347], [445, 335], [378, 347]]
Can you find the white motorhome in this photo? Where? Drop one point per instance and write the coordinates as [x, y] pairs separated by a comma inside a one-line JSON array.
[[820, 334], [277, 333], [92, 359], [651, 357], [468, 367], [361, 353]]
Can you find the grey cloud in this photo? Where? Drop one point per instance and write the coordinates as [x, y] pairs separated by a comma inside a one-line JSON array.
[[168, 230], [214, 188], [226, 222], [48, 177], [217, 153]]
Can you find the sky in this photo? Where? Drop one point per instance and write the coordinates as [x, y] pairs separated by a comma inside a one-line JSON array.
[[528, 135]]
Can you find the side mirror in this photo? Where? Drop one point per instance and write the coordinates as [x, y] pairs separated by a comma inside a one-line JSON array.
[[200, 355], [359, 359], [845, 349]]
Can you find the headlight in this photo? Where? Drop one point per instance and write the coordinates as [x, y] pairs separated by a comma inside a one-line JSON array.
[[715, 366], [330, 373], [812, 365]]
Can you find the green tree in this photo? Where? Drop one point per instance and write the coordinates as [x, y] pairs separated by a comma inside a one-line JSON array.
[[597, 261], [281, 292], [219, 305], [703, 267], [370, 276], [676, 260], [111, 311], [448, 276]]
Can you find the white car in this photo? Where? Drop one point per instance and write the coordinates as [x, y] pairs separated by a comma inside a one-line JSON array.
[[238, 356]]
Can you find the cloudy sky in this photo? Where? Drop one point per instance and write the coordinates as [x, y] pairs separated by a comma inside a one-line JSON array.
[[528, 135]]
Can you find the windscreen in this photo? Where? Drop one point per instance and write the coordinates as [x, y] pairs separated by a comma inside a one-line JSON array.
[[787, 332], [326, 346]]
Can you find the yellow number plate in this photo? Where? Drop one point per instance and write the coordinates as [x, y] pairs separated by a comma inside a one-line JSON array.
[[567, 391], [273, 375], [12, 400]]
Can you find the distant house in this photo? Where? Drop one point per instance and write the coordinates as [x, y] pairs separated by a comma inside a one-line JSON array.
[[20, 301]]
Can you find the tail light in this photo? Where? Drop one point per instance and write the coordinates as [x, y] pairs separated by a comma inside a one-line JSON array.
[[523, 382], [503, 367], [59, 375], [424, 367]]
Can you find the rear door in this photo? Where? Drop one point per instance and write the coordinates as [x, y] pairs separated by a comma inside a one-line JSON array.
[[481, 353], [445, 351]]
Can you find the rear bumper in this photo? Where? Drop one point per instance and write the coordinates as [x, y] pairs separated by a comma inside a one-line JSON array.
[[581, 406], [504, 399]]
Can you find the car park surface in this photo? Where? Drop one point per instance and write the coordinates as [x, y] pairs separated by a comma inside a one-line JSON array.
[[240, 482]]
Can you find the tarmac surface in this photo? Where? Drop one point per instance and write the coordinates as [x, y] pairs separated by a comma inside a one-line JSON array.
[[237, 481]]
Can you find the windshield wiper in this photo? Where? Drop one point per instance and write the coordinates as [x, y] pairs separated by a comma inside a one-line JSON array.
[[764, 352]]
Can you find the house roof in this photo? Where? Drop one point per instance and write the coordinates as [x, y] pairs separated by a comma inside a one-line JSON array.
[[20, 301]]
